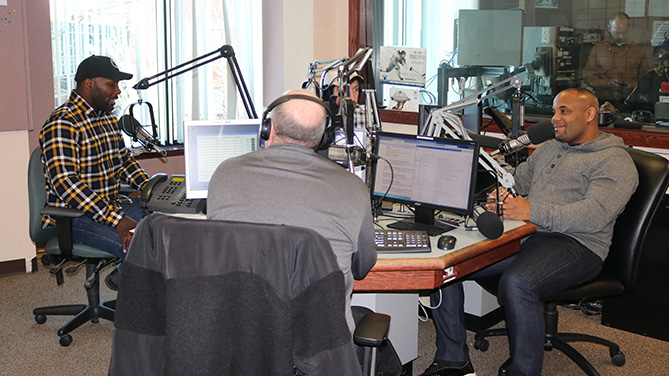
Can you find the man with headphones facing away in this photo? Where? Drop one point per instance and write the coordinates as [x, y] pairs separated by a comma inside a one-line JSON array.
[[288, 183]]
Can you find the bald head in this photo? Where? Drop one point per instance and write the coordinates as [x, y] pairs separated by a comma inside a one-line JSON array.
[[582, 98], [575, 116], [619, 27], [298, 121]]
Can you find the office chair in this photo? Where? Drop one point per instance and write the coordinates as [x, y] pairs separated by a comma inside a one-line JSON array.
[[233, 298], [60, 249], [620, 267]]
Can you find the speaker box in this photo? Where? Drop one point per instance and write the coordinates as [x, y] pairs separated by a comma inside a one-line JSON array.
[[645, 309]]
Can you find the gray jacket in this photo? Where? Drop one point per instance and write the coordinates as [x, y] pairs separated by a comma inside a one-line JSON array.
[[579, 190]]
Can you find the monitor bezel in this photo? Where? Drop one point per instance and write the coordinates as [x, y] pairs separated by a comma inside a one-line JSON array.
[[422, 204], [197, 193]]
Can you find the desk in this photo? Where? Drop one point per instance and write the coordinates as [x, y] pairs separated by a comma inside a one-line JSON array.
[[407, 272], [395, 280]]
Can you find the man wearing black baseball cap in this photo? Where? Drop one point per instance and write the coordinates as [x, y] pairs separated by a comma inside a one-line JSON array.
[[85, 161]]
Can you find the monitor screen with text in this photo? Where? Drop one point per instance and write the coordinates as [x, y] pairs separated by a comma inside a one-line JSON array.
[[427, 172], [207, 143]]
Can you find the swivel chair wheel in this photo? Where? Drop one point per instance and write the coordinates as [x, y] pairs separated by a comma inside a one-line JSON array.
[[481, 344], [65, 340], [618, 359], [40, 319], [46, 259]]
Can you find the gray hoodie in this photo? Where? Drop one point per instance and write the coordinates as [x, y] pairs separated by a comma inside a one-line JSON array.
[[579, 190]]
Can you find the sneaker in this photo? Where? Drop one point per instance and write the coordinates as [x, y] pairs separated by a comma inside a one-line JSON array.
[[113, 279], [443, 369]]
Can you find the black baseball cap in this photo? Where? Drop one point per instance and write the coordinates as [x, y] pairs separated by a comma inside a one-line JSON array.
[[100, 66]]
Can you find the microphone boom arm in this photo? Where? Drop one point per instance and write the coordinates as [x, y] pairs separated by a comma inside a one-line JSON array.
[[225, 51]]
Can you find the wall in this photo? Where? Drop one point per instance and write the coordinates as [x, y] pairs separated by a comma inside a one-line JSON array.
[[26, 99], [296, 33]]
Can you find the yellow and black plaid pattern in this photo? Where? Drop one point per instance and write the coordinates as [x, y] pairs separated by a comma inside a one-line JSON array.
[[85, 161]]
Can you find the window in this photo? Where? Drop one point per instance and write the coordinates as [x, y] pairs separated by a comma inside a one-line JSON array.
[[551, 44], [146, 38]]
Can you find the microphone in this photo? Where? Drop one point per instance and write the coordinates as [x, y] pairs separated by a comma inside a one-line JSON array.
[[338, 153], [536, 134], [134, 129], [489, 224]]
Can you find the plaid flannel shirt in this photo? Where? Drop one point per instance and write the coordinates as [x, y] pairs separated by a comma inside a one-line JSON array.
[[85, 161]]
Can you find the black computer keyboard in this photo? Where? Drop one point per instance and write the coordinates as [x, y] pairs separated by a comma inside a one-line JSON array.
[[401, 241]]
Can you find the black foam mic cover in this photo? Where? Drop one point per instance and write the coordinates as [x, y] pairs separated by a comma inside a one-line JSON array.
[[488, 223], [129, 124], [541, 131]]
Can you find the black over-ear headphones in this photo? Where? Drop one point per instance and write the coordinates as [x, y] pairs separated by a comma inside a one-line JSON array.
[[266, 124]]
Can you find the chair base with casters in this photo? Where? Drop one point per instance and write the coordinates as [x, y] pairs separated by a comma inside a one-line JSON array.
[[83, 313], [93, 311], [555, 340]]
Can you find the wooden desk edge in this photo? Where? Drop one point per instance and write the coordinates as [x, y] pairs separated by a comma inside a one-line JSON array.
[[408, 274]]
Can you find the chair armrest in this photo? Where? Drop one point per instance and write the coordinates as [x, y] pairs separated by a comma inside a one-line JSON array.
[[127, 190], [63, 217], [61, 212], [372, 330]]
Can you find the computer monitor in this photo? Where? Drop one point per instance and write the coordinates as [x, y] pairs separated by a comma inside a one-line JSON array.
[[429, 173], [207, 143]]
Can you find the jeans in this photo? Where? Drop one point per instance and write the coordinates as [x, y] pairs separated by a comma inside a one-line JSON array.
[[546, 264], [94, 234]]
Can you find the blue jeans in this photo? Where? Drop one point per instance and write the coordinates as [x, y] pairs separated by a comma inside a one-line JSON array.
[[94, 234], [546, 264]]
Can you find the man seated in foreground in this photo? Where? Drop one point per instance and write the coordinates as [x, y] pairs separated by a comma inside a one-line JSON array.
[[288, 183]]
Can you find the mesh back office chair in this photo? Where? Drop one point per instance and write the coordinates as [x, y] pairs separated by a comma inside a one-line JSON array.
[[61, 249], [233, 298], [620, 267]]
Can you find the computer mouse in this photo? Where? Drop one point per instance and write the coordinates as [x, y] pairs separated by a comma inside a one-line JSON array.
[[446, 242]]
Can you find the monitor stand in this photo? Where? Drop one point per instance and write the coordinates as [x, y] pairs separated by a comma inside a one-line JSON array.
[[424, 221]]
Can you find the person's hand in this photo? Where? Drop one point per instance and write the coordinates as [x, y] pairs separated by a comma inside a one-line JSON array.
[[516, 208], [123, 228]]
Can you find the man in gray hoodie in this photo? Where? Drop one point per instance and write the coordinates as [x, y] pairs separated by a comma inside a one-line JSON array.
[[572, 188]]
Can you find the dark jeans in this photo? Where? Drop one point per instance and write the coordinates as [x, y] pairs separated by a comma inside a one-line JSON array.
[[94, 234], [547, 263]]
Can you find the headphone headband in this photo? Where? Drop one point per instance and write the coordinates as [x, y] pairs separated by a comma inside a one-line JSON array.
[[266, 124]]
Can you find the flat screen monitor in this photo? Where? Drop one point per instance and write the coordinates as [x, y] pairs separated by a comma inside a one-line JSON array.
[[207, 143], [429, 173]]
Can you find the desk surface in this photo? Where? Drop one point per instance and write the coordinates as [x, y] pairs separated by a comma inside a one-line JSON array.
[[406, 272]]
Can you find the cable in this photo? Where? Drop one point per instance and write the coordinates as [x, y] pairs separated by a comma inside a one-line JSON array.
[[424, 308], [377, 204]]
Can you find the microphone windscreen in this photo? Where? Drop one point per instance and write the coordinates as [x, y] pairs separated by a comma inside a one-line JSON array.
[[129, 124], [541, 132], [490, 225]]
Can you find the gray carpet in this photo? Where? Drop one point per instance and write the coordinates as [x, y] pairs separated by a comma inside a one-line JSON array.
[[31, 349]]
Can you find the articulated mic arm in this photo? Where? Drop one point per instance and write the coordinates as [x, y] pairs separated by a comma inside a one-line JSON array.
[[227, 52]]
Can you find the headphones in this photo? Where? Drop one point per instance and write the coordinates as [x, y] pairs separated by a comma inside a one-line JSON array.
[[266, 123]]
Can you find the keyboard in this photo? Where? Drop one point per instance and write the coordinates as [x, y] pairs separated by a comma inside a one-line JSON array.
[[401, 241]]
